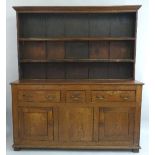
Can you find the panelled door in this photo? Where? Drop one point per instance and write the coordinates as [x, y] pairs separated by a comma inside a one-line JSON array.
[[116, 124], [76, 124], [36, 124]]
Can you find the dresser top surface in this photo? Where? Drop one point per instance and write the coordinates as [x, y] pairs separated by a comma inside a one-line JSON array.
[[61, 81]]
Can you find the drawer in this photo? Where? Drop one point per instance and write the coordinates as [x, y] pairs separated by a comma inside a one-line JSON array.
[[75, 96], [115, 96], [38, 96]]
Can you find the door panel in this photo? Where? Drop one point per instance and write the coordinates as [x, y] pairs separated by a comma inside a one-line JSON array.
[[36, 124], [116, 124], [75, 124]]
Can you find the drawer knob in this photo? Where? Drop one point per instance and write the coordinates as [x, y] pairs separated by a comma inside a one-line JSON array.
[[100, 97]]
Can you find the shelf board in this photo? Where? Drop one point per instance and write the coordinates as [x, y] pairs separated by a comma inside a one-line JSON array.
[[77, 39], [78, 81], [75, 60]]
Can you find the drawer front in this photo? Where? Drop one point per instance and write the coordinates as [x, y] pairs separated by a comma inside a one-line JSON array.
[[75, 96], [38, 96], [115, 96]]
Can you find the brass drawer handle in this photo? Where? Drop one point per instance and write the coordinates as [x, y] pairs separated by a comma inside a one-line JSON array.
[[125, 97], [75, 97], [100, 97]]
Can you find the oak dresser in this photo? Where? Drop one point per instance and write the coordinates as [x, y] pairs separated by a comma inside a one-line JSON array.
[[76, 87]]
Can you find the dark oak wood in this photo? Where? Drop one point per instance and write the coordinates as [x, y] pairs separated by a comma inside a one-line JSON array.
[[77, 9], [55, 50], [76, 87], [72, 60], [76, 50], [98, 50], [82, 38], [33, 50], [121, 50], [16, 149], [135, 150], [77, 81]]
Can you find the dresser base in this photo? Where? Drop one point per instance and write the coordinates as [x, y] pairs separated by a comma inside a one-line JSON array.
[[134, 149], [78, 115]]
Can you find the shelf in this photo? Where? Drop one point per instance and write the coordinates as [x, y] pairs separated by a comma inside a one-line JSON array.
[[77, 81], [77, 39], [77, 46], [76, 60]]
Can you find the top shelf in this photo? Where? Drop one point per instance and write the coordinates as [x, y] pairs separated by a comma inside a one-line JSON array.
[[78, 39]]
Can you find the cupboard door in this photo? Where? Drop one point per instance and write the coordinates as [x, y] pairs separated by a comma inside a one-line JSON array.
[[36, 124], [116, 124], [75, 124]]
